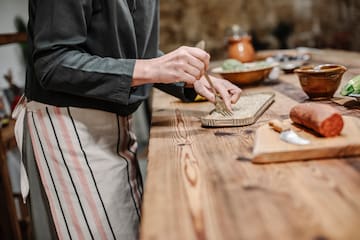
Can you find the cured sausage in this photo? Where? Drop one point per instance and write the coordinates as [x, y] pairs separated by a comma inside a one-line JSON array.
[[322, 118]]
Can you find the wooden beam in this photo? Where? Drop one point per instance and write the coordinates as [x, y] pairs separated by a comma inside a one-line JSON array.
[[9, 226], [7, 38]]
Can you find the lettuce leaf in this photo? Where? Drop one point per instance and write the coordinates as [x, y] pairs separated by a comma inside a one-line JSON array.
[[353, 86]]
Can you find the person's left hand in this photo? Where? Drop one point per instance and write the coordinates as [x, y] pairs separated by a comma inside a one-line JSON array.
[[229, 92]]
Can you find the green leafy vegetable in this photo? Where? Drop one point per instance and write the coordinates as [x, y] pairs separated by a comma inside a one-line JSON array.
[[353, 86], [232, 65], [235, 65]]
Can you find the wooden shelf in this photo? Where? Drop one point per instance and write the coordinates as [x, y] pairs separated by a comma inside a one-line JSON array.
[[9, 226], [7, 38]]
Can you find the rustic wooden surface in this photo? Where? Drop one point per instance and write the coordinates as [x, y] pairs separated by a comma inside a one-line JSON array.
[[201, 184]]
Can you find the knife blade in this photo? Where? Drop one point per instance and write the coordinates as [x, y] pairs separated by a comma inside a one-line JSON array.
[[286, 134]]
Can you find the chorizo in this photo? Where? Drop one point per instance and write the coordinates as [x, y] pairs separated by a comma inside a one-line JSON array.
[[323, 119]]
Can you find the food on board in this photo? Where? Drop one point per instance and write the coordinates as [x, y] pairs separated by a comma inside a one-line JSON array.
[[322, 118]]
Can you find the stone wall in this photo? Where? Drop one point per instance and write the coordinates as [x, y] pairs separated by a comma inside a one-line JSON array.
[[272, 24]]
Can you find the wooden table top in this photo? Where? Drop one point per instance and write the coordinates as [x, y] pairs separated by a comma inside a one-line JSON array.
[[201, 184]]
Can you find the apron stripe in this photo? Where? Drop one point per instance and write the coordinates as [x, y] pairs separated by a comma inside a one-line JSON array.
[[135, 171], [132, 148], [126, 143], [91, 172], [78, 226], [120, 141], [132, 181], [81, 175], [38, 159], [132, 175]]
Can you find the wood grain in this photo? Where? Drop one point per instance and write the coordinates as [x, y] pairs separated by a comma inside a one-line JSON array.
[[201, 183]]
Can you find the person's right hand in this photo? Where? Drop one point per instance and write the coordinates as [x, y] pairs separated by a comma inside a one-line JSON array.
[[185, 64]]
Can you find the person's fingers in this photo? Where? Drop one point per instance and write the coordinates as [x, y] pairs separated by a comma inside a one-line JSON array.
[[228, 91], [235, 95], [234, 91], [209, 95], [198, 53], [227, 102], [202, 87], [198, 64], [187, 78], [190, 69], [178, 75], [183, 64], [224, 93], [186, 60]]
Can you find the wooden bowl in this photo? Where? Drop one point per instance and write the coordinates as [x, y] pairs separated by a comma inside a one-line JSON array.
[[252, 74], [322, 81]]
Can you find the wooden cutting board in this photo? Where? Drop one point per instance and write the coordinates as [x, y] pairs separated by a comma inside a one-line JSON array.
[[245, 112], [269, 148]]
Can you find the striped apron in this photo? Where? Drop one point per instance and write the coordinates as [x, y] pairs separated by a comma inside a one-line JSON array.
[[82, 167]]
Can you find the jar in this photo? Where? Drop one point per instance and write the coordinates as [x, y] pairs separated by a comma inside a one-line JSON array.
[[239, 45]]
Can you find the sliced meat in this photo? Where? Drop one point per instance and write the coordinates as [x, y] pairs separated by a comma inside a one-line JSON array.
[[322, 118]]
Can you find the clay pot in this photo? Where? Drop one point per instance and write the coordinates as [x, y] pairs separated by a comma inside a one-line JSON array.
[[241, 48], [320, 82]]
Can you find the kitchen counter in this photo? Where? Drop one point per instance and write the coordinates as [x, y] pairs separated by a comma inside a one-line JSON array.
[[201, 183]]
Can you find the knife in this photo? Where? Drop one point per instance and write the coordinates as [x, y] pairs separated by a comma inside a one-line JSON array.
[[286, 134]]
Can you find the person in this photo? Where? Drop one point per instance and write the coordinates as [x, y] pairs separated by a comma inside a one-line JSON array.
[[92, 63]]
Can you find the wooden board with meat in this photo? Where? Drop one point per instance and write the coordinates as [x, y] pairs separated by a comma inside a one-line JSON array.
[[331, 135]]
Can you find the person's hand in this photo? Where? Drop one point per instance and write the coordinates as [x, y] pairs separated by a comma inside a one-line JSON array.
[[229, 92], [185, 64]]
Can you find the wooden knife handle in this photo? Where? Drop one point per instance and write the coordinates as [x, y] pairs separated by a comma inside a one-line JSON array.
[[278, 125]]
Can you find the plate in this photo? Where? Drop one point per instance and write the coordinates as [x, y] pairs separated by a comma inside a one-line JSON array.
[[252, 73], [288, 63], [356, 96]]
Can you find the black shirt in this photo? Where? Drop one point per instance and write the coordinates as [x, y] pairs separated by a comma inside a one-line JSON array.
[[83, 52]]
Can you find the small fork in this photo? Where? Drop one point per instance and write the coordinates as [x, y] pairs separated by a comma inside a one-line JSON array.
[[220, 106]]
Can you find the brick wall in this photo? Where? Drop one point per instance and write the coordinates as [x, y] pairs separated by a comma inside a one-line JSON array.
[[273, 24]]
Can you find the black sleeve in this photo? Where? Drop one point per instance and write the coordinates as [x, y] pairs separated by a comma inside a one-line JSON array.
[[178, 90], [59, 31]]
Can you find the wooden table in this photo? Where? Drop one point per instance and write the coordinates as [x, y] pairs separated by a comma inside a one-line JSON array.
[[201, 184]]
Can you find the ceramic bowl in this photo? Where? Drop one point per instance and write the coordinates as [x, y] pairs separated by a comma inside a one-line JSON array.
[[321, 81], [288, 63], [253, 73]]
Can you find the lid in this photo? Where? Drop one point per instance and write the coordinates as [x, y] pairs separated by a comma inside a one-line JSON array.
[[235, 31]]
